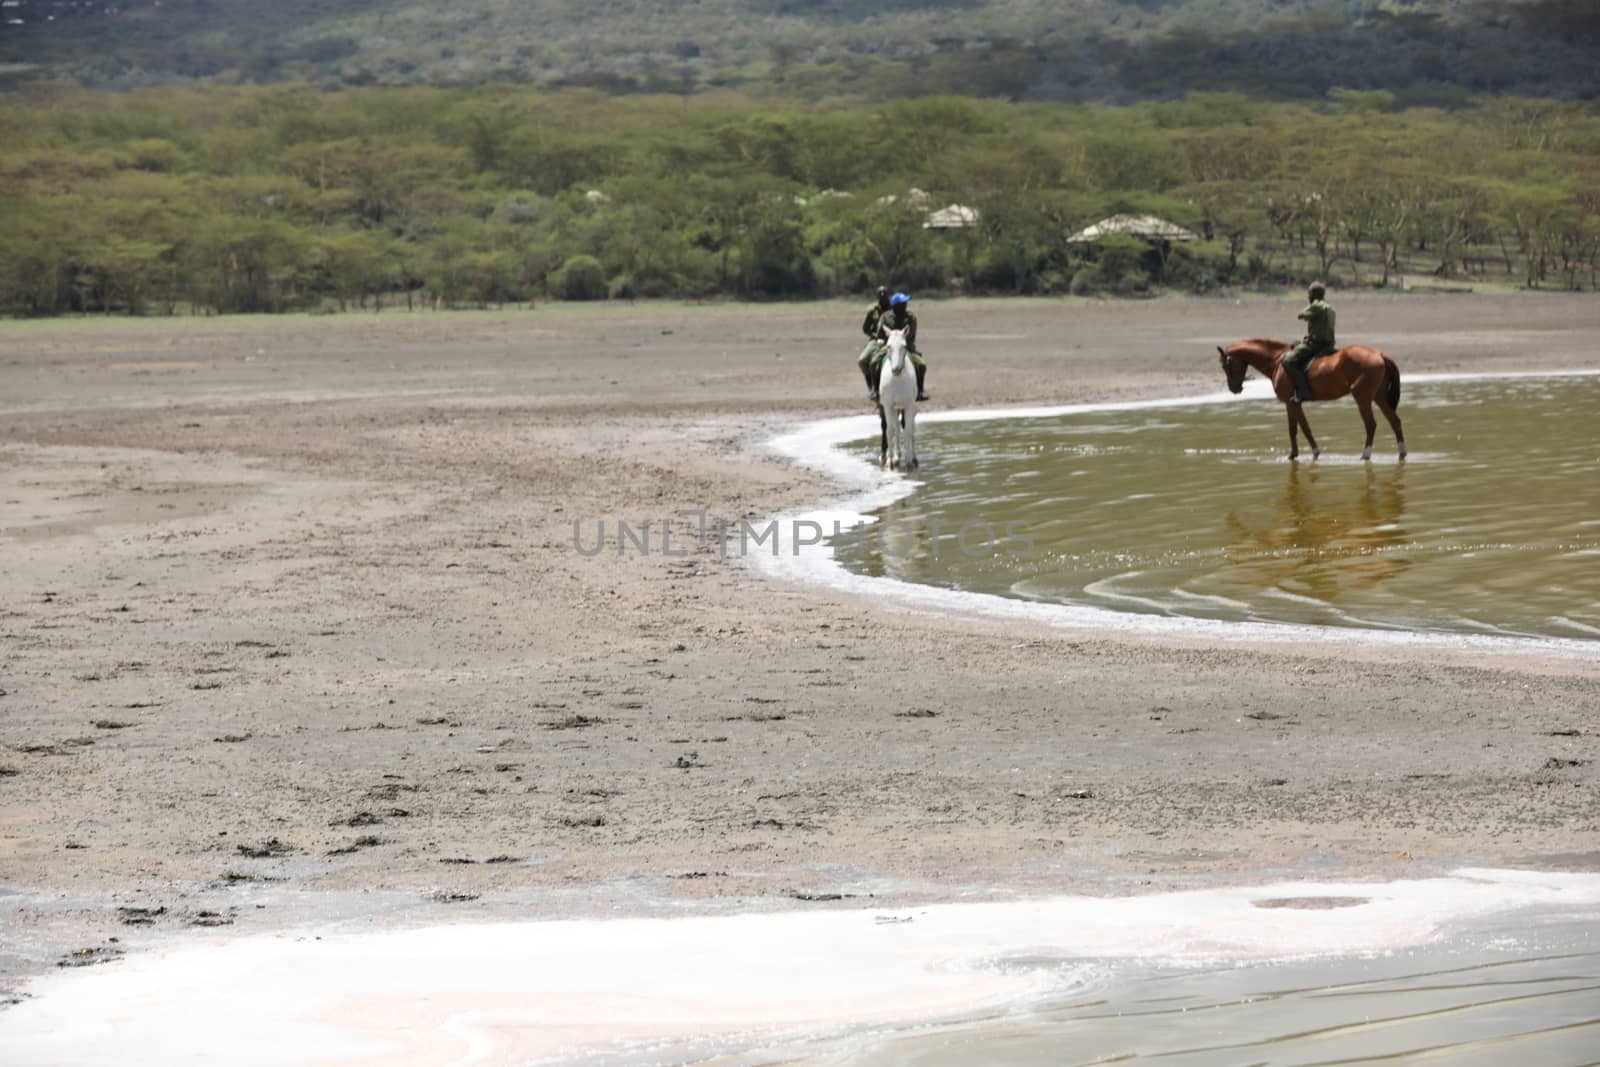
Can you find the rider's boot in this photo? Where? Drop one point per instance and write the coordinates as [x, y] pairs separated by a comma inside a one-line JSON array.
[[922, 376], [1302, 384], [872, 382]]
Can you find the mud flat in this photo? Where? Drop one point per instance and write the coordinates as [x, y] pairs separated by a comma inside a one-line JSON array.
[[293, 609]]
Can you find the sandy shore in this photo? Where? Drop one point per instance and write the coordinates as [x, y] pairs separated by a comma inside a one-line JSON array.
[[297, 599]]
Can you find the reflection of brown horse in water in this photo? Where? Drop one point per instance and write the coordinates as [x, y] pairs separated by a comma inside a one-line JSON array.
[[1364, 373], [1325, 540]]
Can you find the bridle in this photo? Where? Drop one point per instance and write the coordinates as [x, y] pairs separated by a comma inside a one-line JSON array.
[[1230, 360]]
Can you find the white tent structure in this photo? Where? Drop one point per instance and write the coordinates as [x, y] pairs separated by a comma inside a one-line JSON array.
[[954, 217], [1148, 227]]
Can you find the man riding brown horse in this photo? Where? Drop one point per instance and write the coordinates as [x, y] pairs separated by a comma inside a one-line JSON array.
[[1318, 341], [1358, 371]]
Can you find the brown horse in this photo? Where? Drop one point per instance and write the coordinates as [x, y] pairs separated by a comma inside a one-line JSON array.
[[1364, 373]]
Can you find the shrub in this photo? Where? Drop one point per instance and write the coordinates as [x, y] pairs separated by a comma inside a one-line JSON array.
[[1086, 282], [579, 278], [1133, 283]]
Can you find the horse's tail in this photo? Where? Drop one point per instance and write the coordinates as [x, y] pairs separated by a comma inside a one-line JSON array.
[[1393, 394]]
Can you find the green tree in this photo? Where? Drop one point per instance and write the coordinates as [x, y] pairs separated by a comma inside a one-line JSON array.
[[896, 247]]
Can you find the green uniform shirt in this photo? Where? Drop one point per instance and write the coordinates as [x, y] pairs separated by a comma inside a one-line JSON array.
[[869, 325], [1318, 317], [899, 319]]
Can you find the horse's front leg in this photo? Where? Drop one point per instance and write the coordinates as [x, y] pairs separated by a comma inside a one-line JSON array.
[[1300, 412], [883, 437], [1365, 407], [1294, 429]]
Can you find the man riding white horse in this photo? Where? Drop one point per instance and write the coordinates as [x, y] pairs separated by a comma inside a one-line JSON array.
[[872, 354], [897, 406], [897, 317]]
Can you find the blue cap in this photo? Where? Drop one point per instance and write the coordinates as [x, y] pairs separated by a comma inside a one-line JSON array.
[[899, 298]]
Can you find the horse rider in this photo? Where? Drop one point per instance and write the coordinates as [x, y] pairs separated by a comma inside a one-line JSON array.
[[1318, 341], [899, 317], [870, 355]]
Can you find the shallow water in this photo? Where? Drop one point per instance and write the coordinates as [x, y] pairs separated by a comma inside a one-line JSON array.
[[1492, 526], [1525, 995]]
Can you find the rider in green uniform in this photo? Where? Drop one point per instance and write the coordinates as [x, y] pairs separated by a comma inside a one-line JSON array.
[[1318, 341], [868, 360], [899, 317]]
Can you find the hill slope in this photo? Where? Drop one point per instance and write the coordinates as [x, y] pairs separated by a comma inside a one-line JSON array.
[[1424, 50]]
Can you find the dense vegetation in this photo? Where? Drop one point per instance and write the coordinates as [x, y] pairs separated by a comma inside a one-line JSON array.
[[263, 199], [1427, 51]]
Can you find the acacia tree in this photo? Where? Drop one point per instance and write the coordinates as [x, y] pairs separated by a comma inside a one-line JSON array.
[[128, 270], [1023, 240], [1532, 214], [355, 265], [1385, 202], [34, 255], [773, 259], [896, 246], [1580, 238]]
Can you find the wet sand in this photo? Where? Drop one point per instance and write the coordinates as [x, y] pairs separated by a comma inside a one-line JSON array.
[[297, 599]]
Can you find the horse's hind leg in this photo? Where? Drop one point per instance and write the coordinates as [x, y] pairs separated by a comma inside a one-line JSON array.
[[1305, 424], [1293, 411], [911, 440], [1394, 424], [1364, 405], [883, 437]]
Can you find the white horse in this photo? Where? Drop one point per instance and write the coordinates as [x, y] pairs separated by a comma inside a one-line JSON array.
[[897, 406]]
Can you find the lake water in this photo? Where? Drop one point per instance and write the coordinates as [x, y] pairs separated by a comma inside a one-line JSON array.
[[1491, 526]]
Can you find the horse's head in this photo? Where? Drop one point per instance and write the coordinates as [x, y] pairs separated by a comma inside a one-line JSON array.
[[1234, 366], [896, 345]]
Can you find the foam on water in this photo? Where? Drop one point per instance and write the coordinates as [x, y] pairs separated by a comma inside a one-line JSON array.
[[648, 991]]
